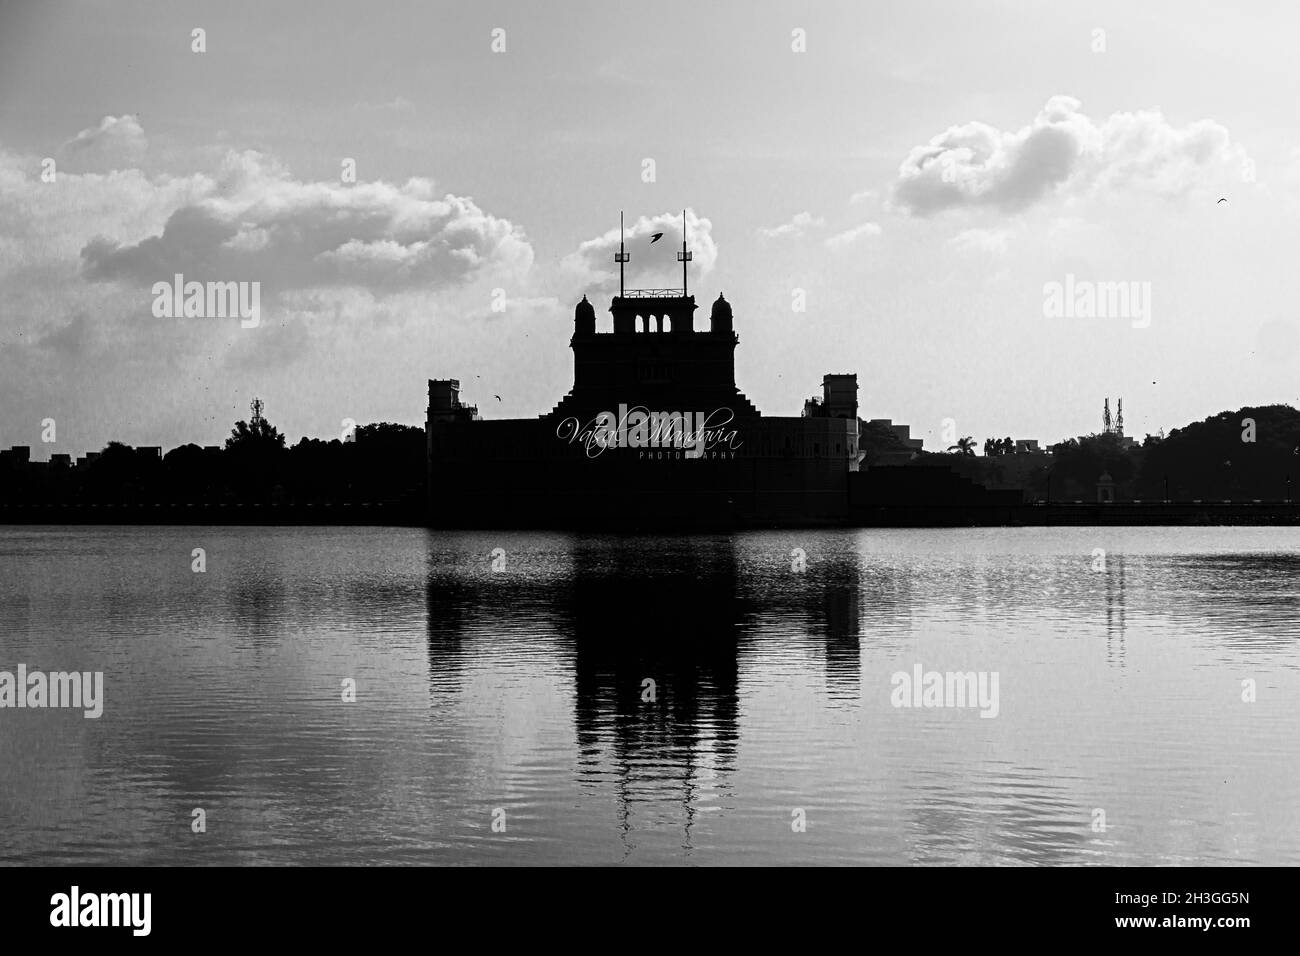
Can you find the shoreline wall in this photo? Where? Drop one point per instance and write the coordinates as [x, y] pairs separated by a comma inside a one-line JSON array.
[[911, 515]]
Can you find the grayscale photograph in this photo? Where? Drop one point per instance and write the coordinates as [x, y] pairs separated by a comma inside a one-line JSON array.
[[578, 435]]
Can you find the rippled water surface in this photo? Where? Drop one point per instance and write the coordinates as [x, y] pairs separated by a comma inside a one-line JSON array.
[[523, 690]]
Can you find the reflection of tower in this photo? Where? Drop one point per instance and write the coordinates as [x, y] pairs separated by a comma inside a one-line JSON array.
[[1115, 609], [826, 603], [840, 591], [619, 612], [451, 602], [673, 618]]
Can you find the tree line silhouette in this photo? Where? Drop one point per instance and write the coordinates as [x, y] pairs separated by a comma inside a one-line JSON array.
[[1240, 456], [384, 464], [1243, 455]]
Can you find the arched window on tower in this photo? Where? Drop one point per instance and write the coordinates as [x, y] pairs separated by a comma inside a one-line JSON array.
[[640, 324], [668, 323]]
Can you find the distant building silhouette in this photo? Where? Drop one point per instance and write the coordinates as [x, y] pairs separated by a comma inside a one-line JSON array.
[[445, 404], [904, 433], [17, 456]]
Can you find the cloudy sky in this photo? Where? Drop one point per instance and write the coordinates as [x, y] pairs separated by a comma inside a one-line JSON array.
[[920, 171]]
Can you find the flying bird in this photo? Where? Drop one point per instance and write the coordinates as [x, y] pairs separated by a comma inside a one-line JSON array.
[[1221, 200], [656, 237], [497, 397]]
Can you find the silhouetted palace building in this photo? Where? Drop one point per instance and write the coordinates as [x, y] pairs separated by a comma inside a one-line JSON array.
[[653, 431]]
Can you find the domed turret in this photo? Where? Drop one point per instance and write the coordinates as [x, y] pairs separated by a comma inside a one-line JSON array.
[[720, 318], [584, 318]]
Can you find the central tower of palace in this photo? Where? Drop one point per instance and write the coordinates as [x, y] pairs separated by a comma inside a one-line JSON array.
[[654, 356]]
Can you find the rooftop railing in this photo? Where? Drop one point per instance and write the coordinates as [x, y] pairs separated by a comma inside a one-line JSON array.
[[654, 293]]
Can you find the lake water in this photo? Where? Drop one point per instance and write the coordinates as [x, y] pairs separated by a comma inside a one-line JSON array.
[[513, 689]]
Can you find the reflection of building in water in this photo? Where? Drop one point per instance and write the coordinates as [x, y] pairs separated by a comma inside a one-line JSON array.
[[449, 601], [824, 603], [676, 611], [841, 599], [473, 612], [667, 611], [675, 621]]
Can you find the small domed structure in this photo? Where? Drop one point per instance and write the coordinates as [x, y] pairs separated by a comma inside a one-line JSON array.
[[720, 317], [584, 318], [1105, 489]]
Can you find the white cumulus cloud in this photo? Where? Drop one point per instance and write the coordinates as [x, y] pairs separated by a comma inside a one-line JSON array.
[[257, 222], [1062, 150]]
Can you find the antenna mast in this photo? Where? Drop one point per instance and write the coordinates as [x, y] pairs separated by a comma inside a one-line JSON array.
[[684, 257], [621, 256]]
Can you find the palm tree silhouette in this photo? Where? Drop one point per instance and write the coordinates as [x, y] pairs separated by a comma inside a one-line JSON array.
[[964, 446]]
